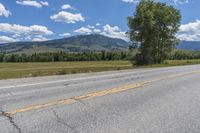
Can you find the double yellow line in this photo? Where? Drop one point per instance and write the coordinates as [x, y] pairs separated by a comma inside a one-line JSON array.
[[96, 94]]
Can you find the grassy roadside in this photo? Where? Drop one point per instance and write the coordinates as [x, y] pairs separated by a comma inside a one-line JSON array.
[[19, 70], [169, 63]]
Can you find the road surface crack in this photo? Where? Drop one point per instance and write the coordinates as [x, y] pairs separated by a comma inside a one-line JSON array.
[[67, 84], [88, 106], [12, 122], [59, 120], [78, 100]]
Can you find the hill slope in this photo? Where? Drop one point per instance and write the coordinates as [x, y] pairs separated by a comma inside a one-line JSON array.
[[81, 43], [189, 45]]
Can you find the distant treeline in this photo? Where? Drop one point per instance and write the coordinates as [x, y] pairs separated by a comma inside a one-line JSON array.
[[183, 55], [91, 56], [62, 56]]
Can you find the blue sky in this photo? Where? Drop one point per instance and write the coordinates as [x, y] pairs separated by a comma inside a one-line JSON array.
[[38, 20]]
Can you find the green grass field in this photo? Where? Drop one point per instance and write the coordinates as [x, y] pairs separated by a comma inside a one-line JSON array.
[[19, 70]]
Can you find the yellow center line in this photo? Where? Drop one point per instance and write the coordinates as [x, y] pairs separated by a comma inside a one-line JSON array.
[[96, 94]]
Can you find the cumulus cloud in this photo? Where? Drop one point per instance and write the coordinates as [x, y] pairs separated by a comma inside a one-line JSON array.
[[189, 37], [83, 30], [16, 36], [65, 34], [3, 11], [44, 3], [190, 31], [67, 17], [175, 1], [181, 1], [67, 6], [96, 30], [20, 32], [20, 29], [90, 27], [38, 38], [114, 32], [33, 3], [130, 1], [107, 30], [98, 24], [5, 39]]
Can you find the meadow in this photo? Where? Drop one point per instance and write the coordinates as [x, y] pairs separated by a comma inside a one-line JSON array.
[[21, 70]]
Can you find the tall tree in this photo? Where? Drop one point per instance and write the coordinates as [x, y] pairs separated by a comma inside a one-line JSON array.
[[153, 28]]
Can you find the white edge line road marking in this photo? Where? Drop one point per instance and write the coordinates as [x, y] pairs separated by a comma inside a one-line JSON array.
[[59, 81], [101, 76]]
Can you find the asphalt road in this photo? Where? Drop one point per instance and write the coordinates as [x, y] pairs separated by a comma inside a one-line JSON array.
[[159, 100]]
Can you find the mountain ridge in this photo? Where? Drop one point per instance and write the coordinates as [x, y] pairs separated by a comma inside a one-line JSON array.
[[189, 45], [80, 43]]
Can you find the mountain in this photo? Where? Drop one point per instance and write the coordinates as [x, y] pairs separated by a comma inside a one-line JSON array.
[[80, 43], [189, 45]]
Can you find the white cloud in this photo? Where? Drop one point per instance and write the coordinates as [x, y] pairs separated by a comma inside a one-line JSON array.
[[114, 32], [41, 30], [181, 1], [131, 1], [98, 24], [83, 30], [26, 30], [67, 6], [5, 39], [190, 31], [96, 30], [67, 17], [44, 3], [90, 27], [176, 2], [16, 36], [3, 11], [33, 3], [65, 34], [192, 27], [187, 37], [39, 38], [19, 32]]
